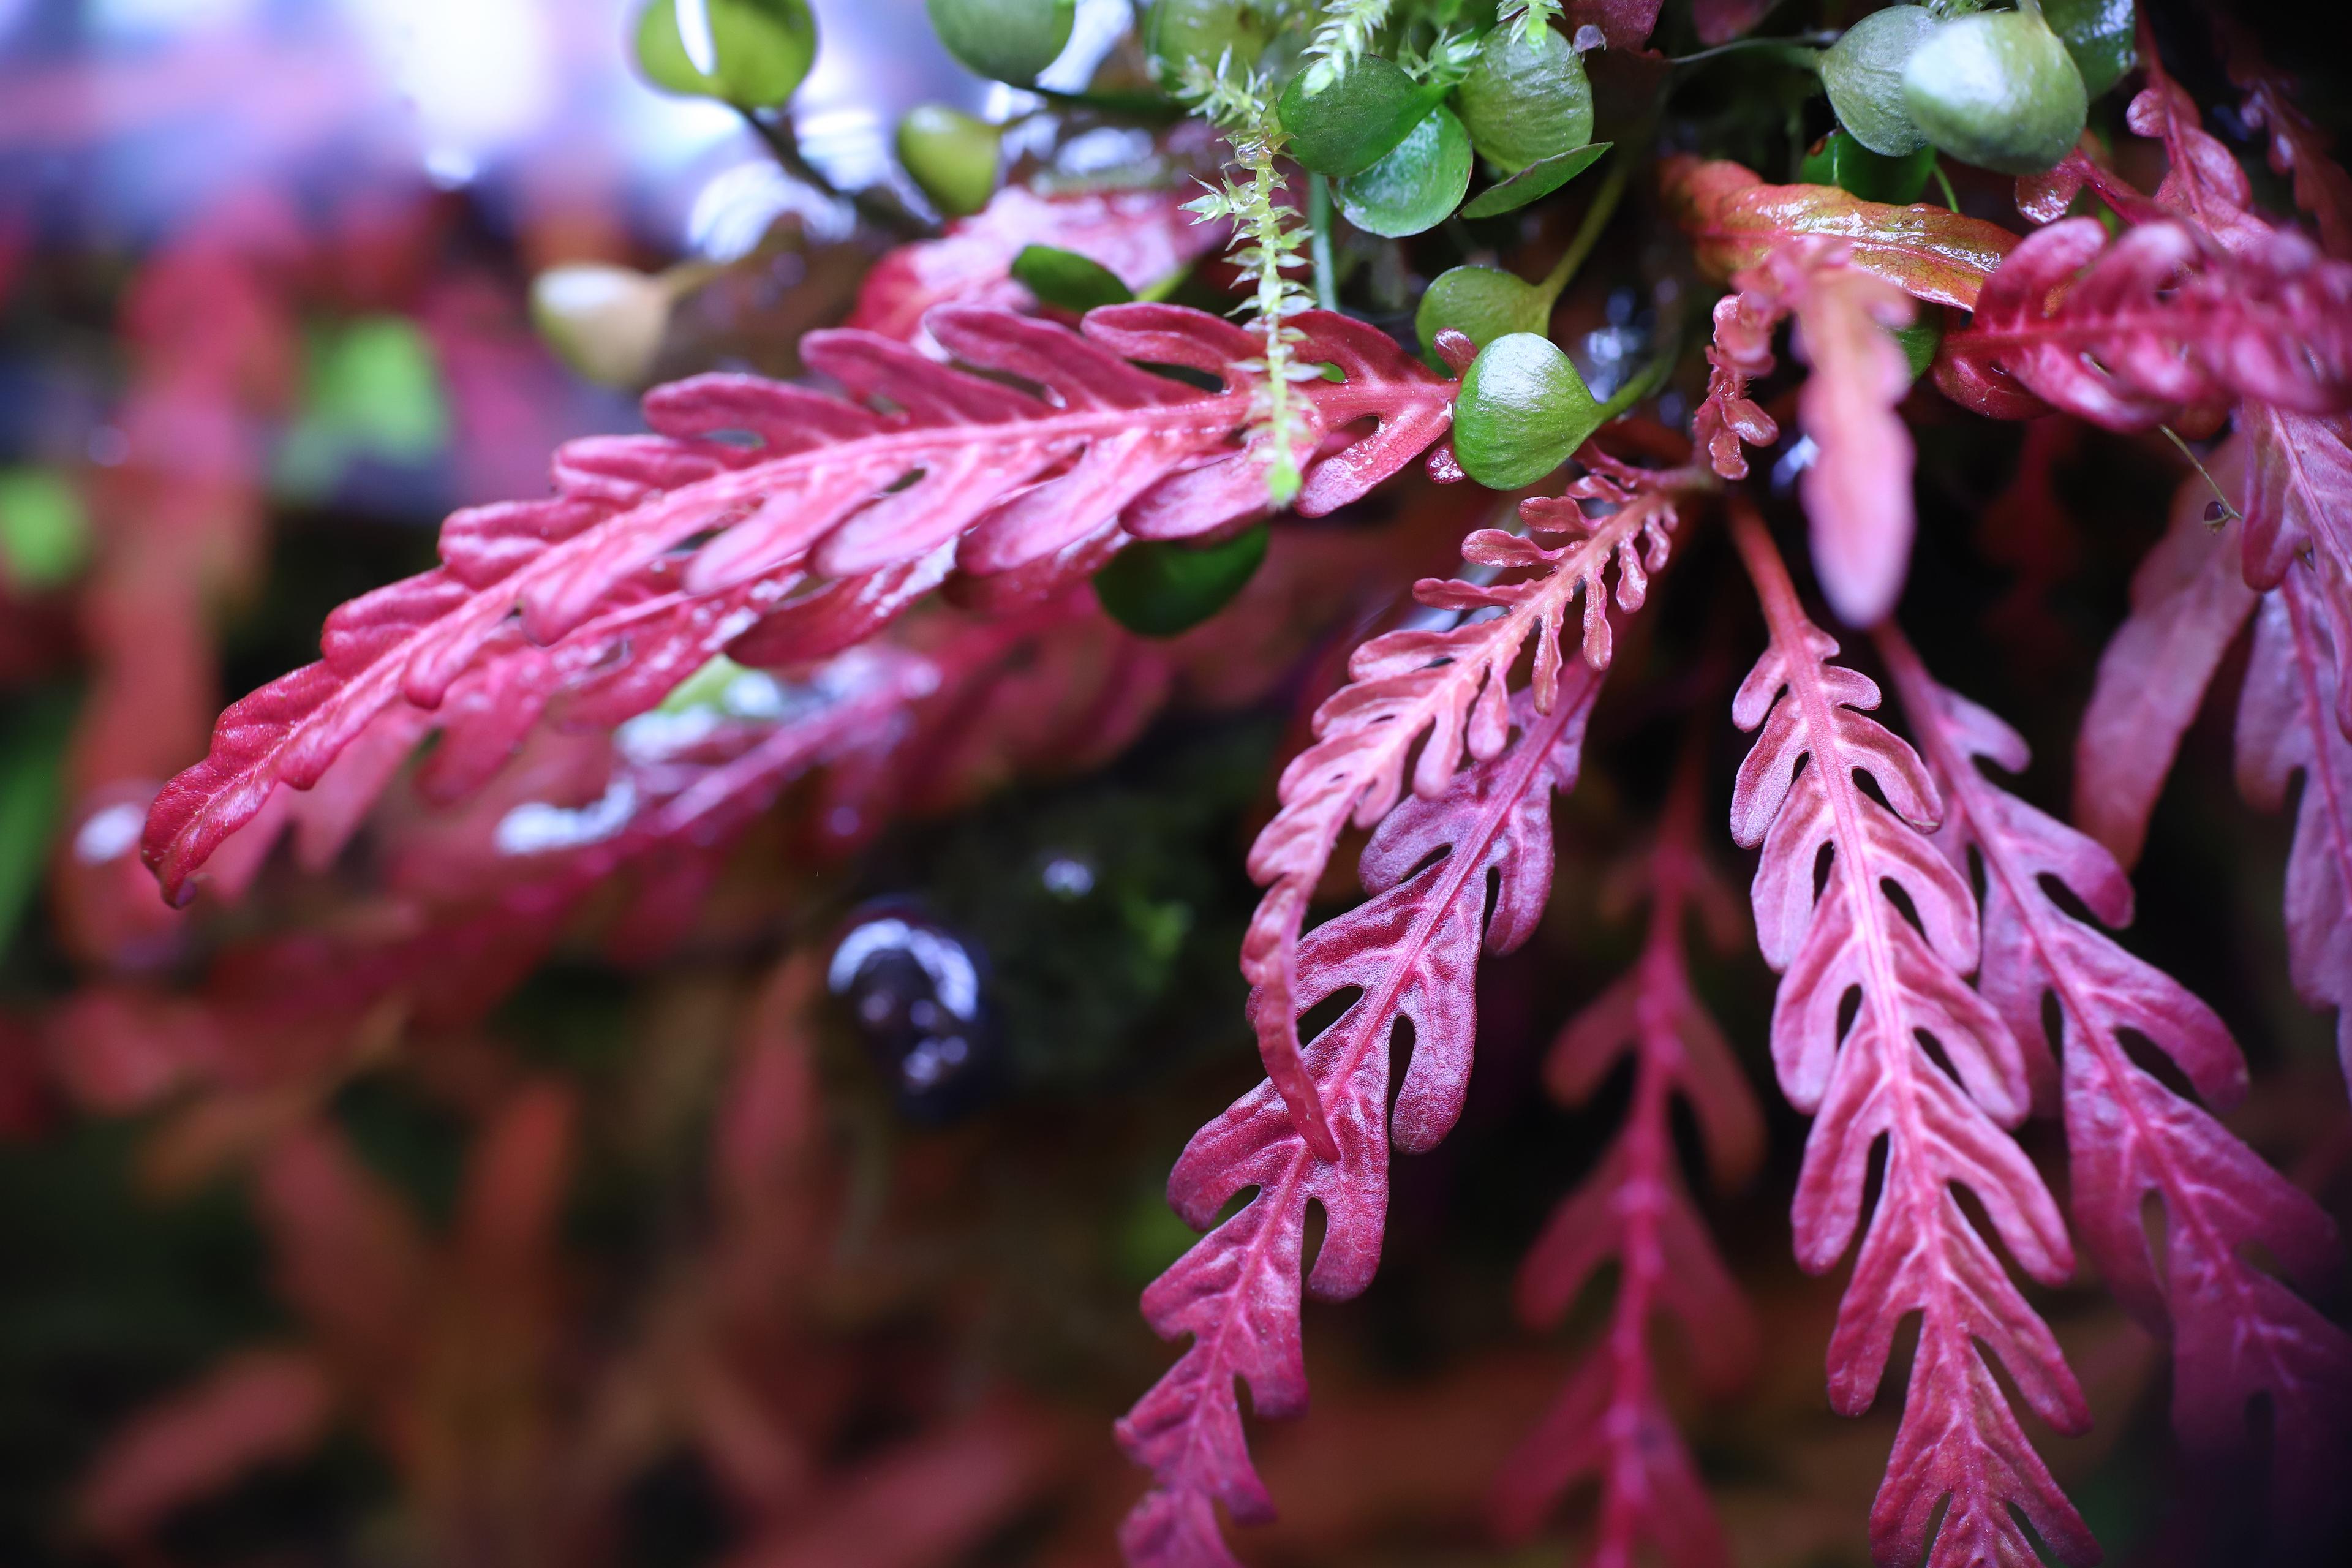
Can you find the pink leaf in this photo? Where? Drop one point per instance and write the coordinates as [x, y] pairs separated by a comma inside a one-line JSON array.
[[1413, 948], [2298, 503], [1857, 489], [255, 1407], [832, 486], [2125, 332], [2238, 1334], [2284, 729], [2297, 147], [1609, 1422], [1920, 1252], [2187, 601]]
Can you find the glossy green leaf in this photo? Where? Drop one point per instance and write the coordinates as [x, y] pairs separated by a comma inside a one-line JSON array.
[[1005, 40], [1348, 125], [761, 51], [1842, 161], [1864, 73], [1178, 33], [1161, 588], [1064, 278], [1481, 301], [1997, 90], [1521, 413], [1537, 181], [1416, 186], [1525, 100], [1921, 339], [2101, 36], [951, 156]]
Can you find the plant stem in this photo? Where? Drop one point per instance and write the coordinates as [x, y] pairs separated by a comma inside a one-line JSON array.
[[2228, 513], [778, 137], [1587, 232], [1148, 107], [1951, 197], [1801, 50], [1319, 218]]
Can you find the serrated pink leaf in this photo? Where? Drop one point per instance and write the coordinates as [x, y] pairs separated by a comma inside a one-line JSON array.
[[2297, 147], [2297, 499], [1412, 949], [831, 485], [255, 1407], [2188, 601], [1796, 793], [2285, 729], [2238, 1334]]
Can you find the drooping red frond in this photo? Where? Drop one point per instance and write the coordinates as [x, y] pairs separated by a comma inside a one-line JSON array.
[[1609, 1423], [2188, 602], [1796, 794], [961, 472], [2127, 332], [2297, 498], [1734, 220], [1140, 236], [2298, 149], [1413, 950], [2237, 1334], [1858, 489], [2284, 729], [1451, 684]]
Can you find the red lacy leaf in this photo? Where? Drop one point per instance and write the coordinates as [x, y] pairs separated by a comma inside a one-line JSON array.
[[2124, 334], [1452, 685], [255, 1407], [1609, 1422], [1142, 237], [1858, 489], [2237, 1334], [2284, 729], [1413, 950], [2202, 180], [2188, 603], [1796, 794], [1734, 220], [1010, 482], [1624, 24], [2298, 503]]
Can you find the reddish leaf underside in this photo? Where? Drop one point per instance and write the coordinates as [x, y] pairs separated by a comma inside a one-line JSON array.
[[1920, 1251], [1413, 950], [2239, 1334]]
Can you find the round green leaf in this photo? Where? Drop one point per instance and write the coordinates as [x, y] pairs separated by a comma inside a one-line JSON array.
[[43, 529], [1005, 40], [1921, 339], [1525, 100], [1164, 587], [1064, 278], [1537, 181], [1482, 302], [951, 156], [1178, 33], [1345, 127], [1839, 160], [2100, 35], [1997, 90], [760, 49], [1864, 73], [1521, 412], [1416, 186]]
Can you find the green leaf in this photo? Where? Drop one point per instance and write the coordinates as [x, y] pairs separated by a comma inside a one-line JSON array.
[[1521, 413], [1482, 301], [951, 156], [1064, 278], [761, 51], [1161, 588], [43, 529], [1525, 99], [1842, 161], [1177, 32], [1416, 186], [1864, 73], [1997, 90], [2101, 35], [1537, 181], [1005, 40], [1921, 339], [1351, 124]]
